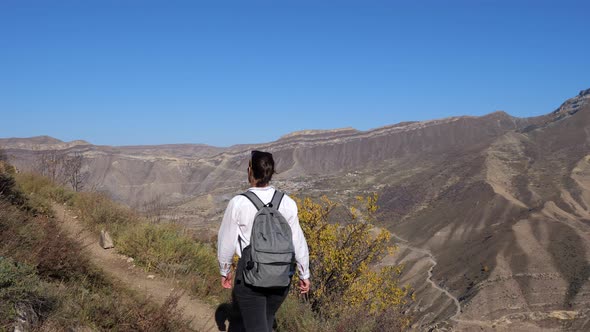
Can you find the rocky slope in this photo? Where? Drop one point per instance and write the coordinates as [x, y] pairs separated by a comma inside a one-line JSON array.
[[509, 224], [138, 174], [500, 204]]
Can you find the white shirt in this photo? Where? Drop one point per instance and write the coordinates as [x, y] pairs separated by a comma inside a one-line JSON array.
[[238, 220]]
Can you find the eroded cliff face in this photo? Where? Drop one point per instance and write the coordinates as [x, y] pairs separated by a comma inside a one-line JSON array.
[[139, 173], [501, 204], [508, 225]]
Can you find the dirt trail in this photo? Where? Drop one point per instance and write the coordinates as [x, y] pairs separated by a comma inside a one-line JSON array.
[[474, 323], [512, 322], [404, 244], [115, 265]]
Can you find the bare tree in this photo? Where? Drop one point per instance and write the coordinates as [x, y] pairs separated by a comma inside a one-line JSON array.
[[3, 156], [154, 208], [72, 170], [63, 168], [50, 165], [5, 166]]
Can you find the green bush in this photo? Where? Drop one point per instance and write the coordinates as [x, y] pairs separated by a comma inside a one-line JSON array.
[[9, 190]]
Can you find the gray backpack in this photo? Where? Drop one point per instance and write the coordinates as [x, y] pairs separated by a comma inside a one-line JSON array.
[[269, 260]]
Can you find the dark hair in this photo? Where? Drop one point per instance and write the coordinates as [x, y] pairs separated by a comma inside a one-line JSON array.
[[263, 167]]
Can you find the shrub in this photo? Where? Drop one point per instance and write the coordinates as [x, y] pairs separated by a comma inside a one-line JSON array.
[[111, 308], [48, 274], [64, 259], [9, 191], [19, 287], [31, 183], [295, 315], [19, 237], [98, 211], [42, 192], [164, 248], [342, 258]]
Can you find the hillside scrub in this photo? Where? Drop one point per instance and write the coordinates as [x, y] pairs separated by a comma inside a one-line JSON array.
[[45, 276], [166, 249], [346, 283], [20, 287], [41, 192], [159, 247]]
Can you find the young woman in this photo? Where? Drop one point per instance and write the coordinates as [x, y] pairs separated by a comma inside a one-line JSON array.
[[257, 306]]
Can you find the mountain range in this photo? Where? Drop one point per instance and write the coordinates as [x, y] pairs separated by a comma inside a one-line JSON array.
[[494, 210]]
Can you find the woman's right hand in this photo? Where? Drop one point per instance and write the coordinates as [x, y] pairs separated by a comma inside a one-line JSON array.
[[226, 281], [304, 285]]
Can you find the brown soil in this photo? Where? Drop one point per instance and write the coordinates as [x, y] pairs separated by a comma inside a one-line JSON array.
[[116, 265]]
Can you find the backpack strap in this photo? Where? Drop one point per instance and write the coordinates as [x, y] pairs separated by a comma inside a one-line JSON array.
[[276, 200], [254, 199]]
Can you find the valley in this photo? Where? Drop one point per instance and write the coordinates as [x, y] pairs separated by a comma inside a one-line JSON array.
[[491, 214]]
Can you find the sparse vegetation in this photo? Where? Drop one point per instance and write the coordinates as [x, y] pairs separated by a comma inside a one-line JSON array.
[[295, 314], [41, 191], [164, 248], [20, 290], [167, 249], [46, 278], [345, 283], [3, 156], [72, 169], [157, 247], [8, 189], [63, 168]]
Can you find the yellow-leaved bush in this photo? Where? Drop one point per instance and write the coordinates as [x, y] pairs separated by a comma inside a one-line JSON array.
[[343, 256]]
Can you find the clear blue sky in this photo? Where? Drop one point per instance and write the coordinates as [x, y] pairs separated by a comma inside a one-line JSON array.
[[222, 72]]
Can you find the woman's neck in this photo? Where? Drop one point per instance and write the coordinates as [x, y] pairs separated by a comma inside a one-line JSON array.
[[254, 185]]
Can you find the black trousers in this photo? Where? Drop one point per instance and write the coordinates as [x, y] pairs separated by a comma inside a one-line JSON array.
[[257, 306]]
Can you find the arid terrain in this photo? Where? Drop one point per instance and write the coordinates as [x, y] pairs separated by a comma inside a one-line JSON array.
[[491, 213], [121, 268]]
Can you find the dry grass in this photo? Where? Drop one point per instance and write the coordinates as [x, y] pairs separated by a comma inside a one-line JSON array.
[[43, 270], [159, 247]]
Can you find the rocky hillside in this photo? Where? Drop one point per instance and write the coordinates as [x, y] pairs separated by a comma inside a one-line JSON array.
[[138, 174], [509, 223], [502, 204]]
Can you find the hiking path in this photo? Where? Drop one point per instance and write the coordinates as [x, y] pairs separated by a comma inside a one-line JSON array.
[[120, 268]]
